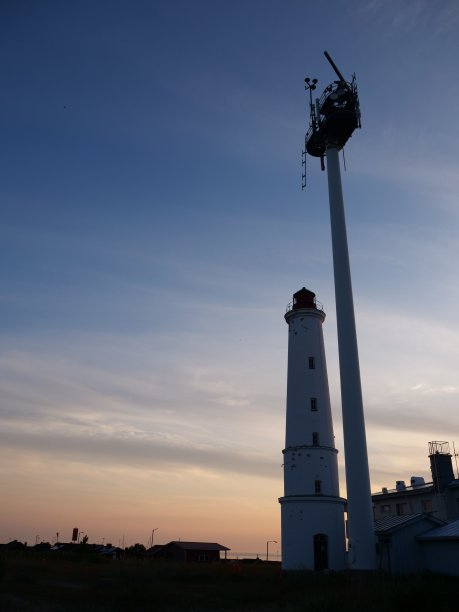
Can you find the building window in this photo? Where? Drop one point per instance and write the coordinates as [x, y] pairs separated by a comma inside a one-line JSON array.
[[313, 404], [318, 486], [401, 509], [315, 438], [426, 505], [312, 363], [385, 508]]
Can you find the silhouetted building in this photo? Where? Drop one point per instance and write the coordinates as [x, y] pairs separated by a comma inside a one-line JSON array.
[[399, 551], [188, 552], [440, 497], [440, 549]]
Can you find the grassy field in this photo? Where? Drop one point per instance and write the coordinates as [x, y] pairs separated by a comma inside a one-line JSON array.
[[46, 584]]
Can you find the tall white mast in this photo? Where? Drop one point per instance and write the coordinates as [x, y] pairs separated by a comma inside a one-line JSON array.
[[359, 505], [334, 117]]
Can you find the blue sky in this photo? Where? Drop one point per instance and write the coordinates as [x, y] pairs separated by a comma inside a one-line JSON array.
[[153, 230]]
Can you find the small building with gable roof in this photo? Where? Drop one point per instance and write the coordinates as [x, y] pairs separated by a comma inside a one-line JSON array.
[[189, 552], [398, 545]]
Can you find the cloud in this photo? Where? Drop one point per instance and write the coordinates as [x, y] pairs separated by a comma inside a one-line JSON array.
[[140, 400], [432, 390], [133, 449], [411, 17], [137, 402], [436, 174]]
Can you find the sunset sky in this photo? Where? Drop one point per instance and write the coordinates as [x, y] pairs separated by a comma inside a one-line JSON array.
[[154, 229]]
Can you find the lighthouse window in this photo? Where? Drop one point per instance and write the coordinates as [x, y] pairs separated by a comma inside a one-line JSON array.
[[312, 363], [315, 438], [318, 486], [313, 404]]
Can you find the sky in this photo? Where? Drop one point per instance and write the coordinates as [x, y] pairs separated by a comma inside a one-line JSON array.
[[153, 229]]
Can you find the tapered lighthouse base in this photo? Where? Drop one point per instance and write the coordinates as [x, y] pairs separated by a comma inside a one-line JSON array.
[[313, 533]]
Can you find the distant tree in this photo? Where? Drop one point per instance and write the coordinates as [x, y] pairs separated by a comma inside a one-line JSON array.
[[15, 544], [136, 549], [84, 540]]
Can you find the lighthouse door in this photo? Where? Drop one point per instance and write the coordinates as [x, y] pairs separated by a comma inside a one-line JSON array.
[[320, 551]]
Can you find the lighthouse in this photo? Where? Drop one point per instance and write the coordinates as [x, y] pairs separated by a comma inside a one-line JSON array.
[[312, 511]]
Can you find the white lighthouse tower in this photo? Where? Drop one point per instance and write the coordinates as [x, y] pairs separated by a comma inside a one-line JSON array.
[[312, 510]]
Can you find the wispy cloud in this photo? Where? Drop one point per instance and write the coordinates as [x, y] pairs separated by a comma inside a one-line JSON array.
[[158, 411], [411, 16], [134, 448]]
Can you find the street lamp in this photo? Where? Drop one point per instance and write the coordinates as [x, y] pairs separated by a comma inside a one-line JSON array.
[[153, 535], [267, 547]]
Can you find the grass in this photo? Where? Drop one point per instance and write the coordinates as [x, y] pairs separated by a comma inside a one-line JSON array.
[[45, 583]]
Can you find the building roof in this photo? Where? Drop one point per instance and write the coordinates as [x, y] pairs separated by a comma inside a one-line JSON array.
[[155, 547], [408, 490], [445, 532], [198, 545], [154, 550], [389, 524]]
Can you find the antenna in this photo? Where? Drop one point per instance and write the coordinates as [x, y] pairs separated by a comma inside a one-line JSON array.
[[310, 85], [333, 65], [332, 118], [303, 163]]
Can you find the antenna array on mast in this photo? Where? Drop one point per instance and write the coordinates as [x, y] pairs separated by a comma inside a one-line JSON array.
[[311, 85], [332, 118]]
